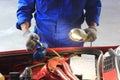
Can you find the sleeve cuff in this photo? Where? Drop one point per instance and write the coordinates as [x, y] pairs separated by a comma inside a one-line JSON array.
[[20, 21], [95, 20]]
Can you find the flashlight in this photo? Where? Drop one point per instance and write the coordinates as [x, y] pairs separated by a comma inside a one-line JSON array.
[[78, 35]]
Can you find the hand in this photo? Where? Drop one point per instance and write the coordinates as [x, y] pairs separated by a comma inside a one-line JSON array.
[[31, 40], [92, 33]]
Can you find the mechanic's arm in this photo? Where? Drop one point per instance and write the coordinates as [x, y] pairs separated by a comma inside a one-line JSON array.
[[24, 13], [93, 10], [24, 16]]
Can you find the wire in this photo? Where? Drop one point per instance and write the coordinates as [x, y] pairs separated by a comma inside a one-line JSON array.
[[54, 52]]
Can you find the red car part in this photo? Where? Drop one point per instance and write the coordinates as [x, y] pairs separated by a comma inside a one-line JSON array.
[[56, 68]]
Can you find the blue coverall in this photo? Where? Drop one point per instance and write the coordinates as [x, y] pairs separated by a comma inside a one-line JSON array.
[[55, 18]]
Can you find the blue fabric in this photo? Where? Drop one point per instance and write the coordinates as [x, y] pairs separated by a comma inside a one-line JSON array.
[[39, 54], [55, 18]]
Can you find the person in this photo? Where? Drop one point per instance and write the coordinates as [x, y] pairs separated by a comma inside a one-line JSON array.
[[55, 18]]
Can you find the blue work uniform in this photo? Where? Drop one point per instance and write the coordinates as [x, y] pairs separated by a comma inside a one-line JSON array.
[[55, 18]]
